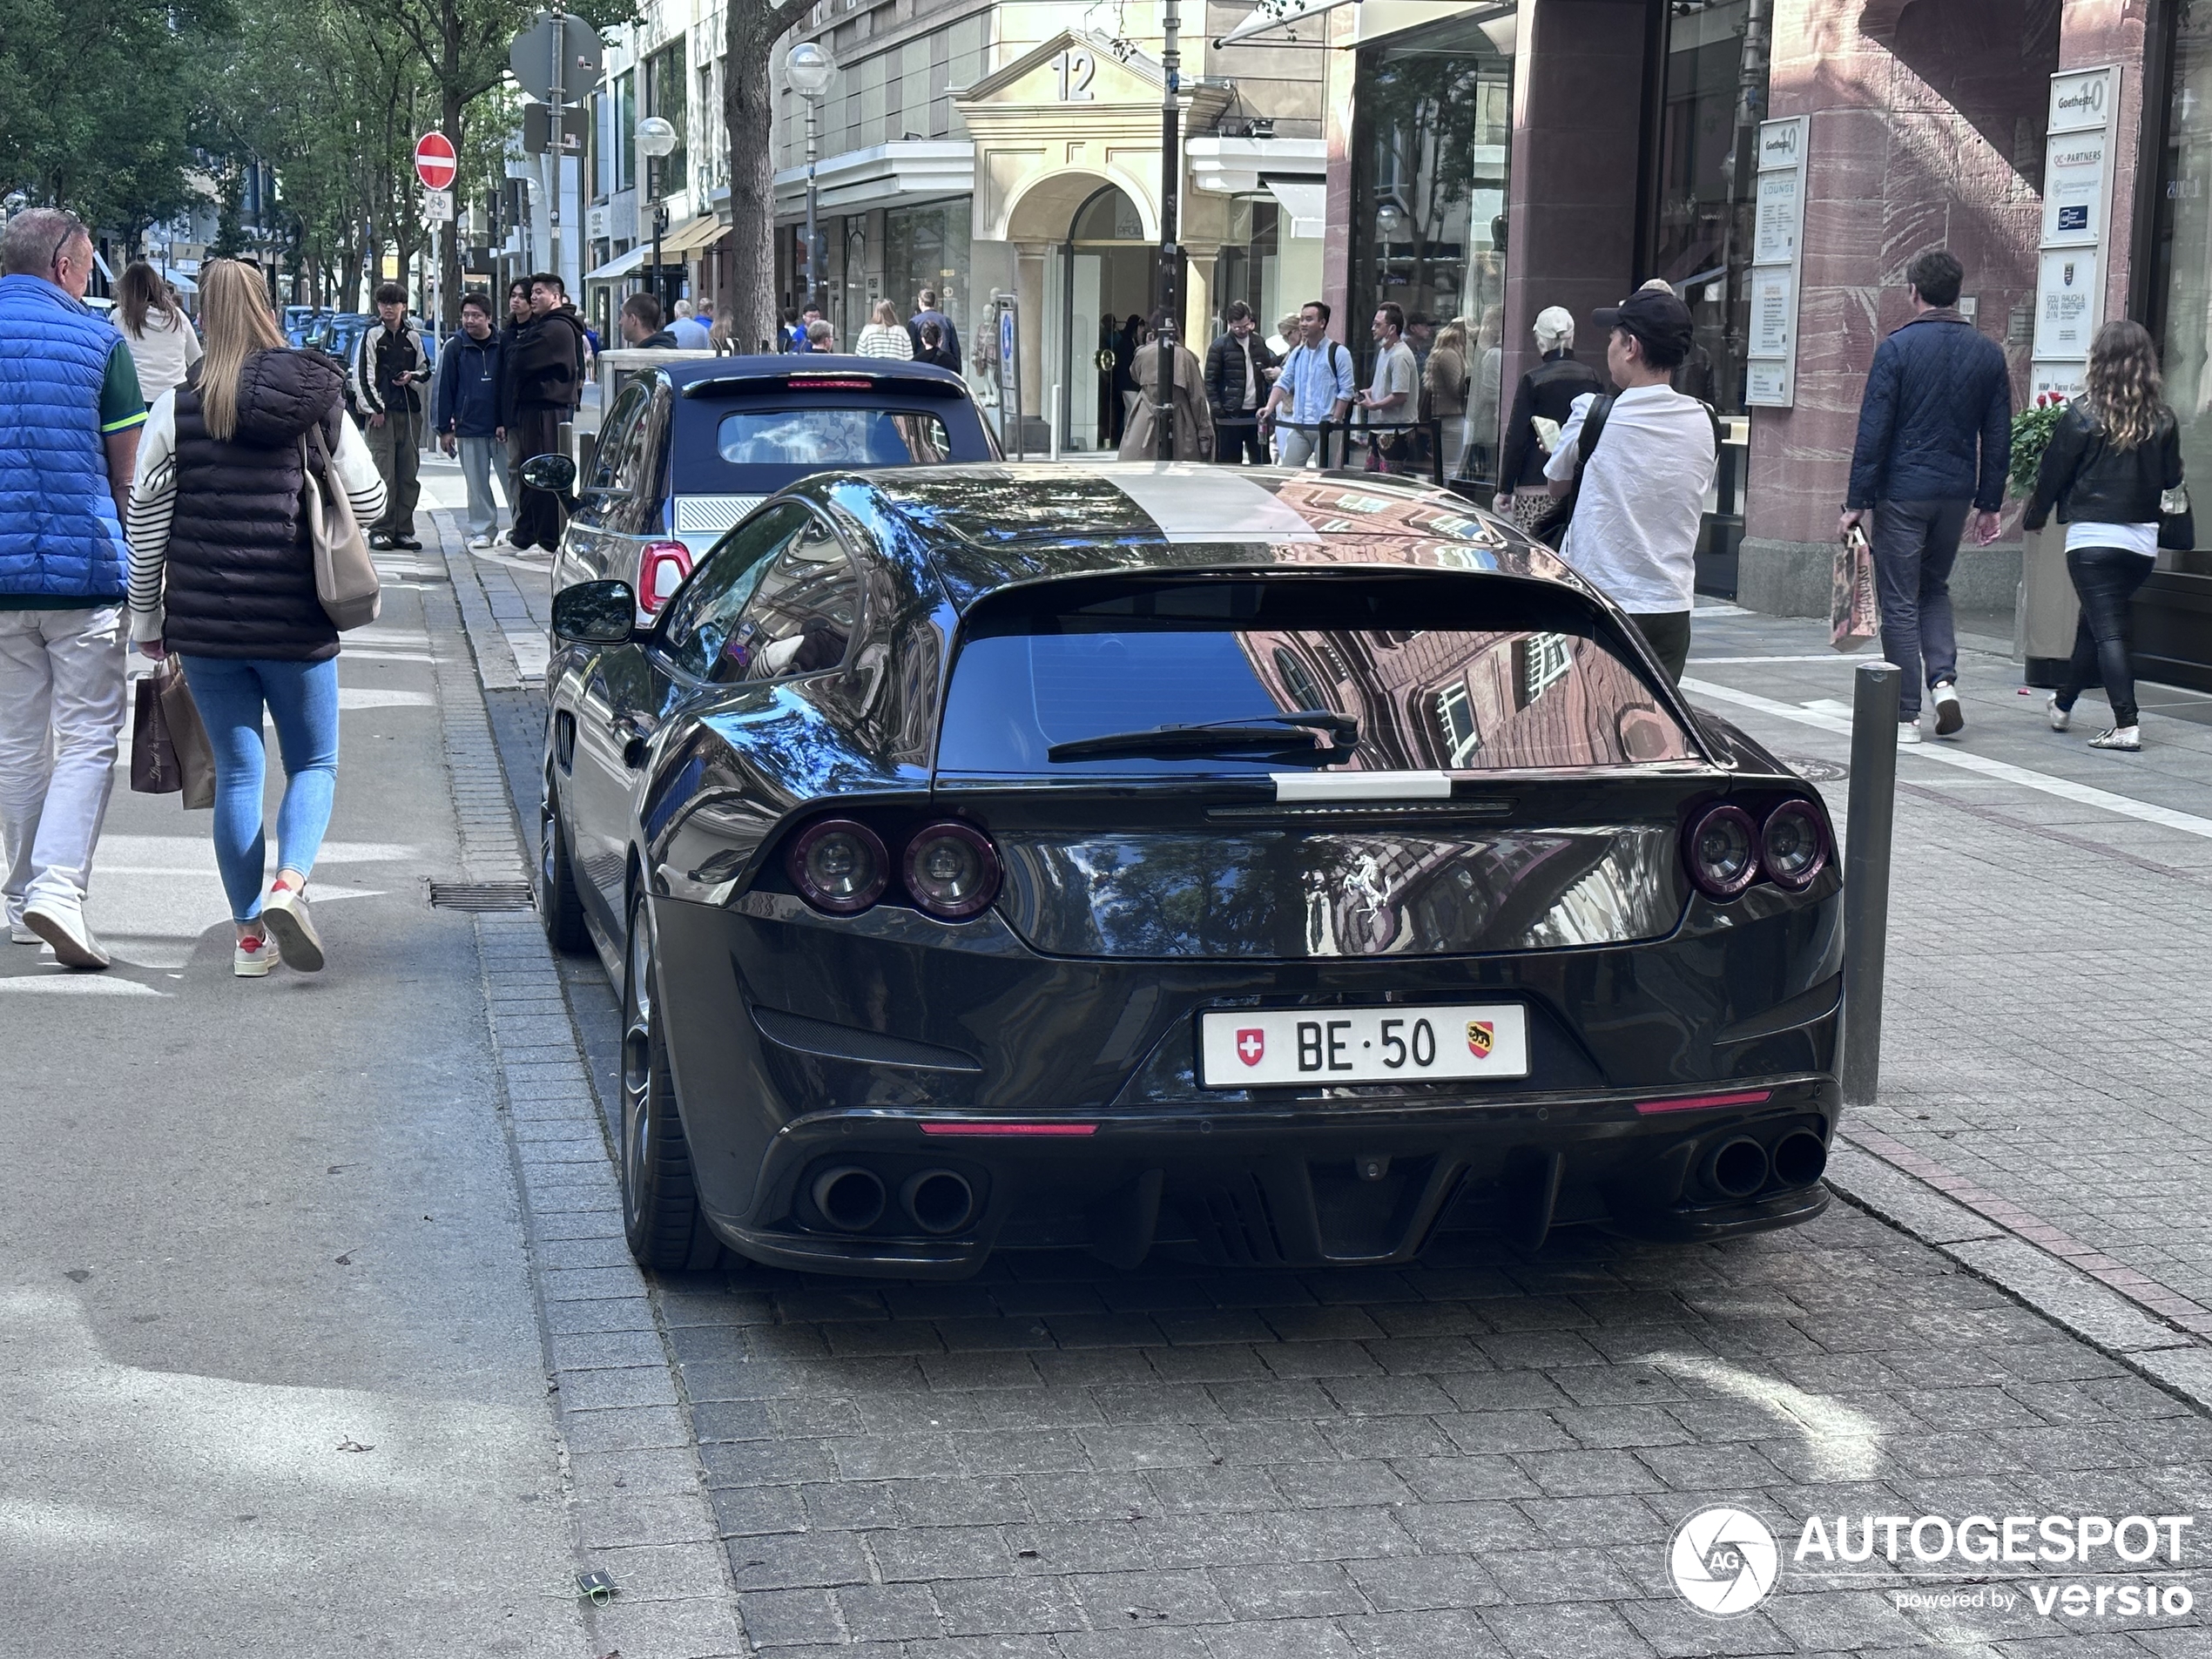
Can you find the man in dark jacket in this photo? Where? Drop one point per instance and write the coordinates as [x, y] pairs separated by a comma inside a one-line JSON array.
[[1935, 438], [544, 379], [465, 413], [1240, 371], [925, 311], [389, 365], [640, 324]]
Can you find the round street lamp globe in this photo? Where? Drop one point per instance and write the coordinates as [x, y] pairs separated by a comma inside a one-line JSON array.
[[656, 136], [809, 70]]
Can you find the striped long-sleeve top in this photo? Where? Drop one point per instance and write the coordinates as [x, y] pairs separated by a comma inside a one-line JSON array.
[[153, 503]]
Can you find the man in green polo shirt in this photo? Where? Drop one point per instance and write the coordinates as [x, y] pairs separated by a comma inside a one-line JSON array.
[[69, 415]]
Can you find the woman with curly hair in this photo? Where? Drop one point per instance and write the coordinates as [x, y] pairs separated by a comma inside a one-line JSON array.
[[2113, 454]]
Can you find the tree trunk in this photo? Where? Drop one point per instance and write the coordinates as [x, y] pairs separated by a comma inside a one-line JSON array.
[[450, 103], [749, 114]]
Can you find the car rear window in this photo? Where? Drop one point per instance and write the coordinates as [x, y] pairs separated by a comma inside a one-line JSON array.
[[832, 437], [1467, 674]]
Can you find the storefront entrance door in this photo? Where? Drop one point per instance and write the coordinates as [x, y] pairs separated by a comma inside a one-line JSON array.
[[1106, 291]]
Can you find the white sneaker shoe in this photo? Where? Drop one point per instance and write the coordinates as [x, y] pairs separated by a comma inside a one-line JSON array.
[[284, 912], [2059, 719], [1907, 731], [2127, 739], [1949, 716], [480, 541], [74, 945], [19, 933], [253, 958]]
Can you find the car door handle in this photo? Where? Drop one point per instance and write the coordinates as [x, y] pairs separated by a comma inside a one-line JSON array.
[[634, 737]]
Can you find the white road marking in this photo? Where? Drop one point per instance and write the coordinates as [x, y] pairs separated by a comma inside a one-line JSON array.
[[77, 984], [1830, 716]]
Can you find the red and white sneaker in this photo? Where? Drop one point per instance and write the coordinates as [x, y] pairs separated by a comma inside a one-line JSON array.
[[284, 912], [253, 958]]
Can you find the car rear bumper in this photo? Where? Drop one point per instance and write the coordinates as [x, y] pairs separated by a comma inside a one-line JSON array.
[[1330, 1183]]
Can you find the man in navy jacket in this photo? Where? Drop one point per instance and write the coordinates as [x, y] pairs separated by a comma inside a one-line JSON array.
[[465, 413], [1935, 438]]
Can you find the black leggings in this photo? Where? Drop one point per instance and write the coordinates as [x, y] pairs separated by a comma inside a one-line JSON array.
[[2106, 578]]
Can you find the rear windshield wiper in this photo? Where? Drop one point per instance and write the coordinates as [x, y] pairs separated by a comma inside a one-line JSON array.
[[1215, 736]]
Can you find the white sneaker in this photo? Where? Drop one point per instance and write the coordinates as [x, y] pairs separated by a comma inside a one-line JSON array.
[[2061, 718], [253, 958], [2126, 737], [1949, 716], [480, 541], [74, 945], [1908, 731], [19, 933], [284, 912]]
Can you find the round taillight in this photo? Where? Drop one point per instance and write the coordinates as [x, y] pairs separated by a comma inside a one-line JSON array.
[[838, 865], [1723, 850], [952, 871], [1793, 848]]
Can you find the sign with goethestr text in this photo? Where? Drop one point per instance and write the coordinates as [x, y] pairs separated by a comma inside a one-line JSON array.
[[2077, 220], [1777, 258]]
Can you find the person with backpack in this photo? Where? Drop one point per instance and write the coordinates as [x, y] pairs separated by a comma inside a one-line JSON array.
[[223, 574], [1541, 403], [1315, 386], [2112, 455], [1636, 467]]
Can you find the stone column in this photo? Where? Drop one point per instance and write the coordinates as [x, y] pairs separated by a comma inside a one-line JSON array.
[[1029, 286]]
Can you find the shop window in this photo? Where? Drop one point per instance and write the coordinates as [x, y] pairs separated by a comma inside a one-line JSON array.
[[665, 97], [2181, 292], [1431, 156]]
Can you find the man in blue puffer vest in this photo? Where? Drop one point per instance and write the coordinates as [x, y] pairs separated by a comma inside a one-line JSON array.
[[69, 415]]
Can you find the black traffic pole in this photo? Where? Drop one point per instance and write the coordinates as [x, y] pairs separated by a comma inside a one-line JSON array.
[[1171, 283], [1866, 875]]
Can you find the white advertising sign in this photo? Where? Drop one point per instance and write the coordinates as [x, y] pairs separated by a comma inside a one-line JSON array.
[[1774, 311], [2074, 170], [2084, 100], [1769, 383], [2065, 302], [1781, 217], [2077, 215], [1777, 252]]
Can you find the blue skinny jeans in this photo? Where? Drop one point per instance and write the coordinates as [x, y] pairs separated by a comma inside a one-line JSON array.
[[302, 698]]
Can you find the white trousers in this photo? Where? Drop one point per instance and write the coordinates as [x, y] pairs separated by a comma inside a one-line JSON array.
[[61, 707], [477, 470]]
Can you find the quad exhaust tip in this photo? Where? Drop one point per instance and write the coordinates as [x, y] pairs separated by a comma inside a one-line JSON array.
[[938, 1201], [849, 1197], [1736, 1169], [1799, 1159]]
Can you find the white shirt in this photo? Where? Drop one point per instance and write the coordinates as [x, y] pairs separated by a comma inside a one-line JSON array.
[[169, 346], [1642, 500], [885, 340], [2131, 538]]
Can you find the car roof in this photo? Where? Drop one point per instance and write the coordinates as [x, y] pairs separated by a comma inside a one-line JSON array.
[[997, 525], [734, 376]]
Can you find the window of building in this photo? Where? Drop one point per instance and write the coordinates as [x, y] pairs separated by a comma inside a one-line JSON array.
[[927, 247], [665, 97], [622, 144], [2181, 295], [1431, 156]]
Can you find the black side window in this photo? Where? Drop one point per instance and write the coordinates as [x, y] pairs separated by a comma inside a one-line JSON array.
[[611, 458], [705, 611], [802, 616]]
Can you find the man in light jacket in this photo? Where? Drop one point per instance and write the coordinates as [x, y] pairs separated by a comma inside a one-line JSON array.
[[388, 368], [466, 414], [70, 417], [1193, 419]]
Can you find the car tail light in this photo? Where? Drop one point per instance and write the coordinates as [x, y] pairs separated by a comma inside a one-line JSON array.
[[661, 569], [1793, 847], [1723, 850], [952, 871], [838, 865]]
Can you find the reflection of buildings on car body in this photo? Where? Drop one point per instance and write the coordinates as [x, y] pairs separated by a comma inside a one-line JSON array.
[[1480, 159]]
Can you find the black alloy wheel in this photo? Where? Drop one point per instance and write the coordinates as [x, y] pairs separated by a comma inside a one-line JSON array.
[[661, 1215], [560, 906]]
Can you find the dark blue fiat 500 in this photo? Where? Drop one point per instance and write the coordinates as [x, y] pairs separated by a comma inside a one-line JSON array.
[[1281, 867]]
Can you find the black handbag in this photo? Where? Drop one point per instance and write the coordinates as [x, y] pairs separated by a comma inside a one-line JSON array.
[[2176, 524]]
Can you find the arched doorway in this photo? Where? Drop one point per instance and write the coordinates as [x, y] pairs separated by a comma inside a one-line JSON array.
[[1106, 272]]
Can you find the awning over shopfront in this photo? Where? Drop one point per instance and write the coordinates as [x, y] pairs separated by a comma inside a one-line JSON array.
[[694, 235], [1306, 204], [621, 266], [1375, 18], [883, 175]]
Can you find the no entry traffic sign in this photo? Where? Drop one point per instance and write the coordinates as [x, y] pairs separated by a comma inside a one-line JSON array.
[[434, 161]]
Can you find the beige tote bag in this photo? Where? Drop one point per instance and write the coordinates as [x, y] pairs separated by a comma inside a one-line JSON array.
[[346, 579]]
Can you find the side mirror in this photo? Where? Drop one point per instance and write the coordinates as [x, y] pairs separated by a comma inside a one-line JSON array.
[[594, 613], [554, 474]]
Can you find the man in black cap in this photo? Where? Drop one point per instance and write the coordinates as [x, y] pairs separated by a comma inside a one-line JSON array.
[[1638, 464]]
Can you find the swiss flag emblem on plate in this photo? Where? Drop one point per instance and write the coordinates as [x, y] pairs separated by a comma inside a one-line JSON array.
[[1252, 1046]]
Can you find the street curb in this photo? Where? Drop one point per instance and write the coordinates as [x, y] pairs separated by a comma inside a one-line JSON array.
[[637, 1487], [2115, 1325]]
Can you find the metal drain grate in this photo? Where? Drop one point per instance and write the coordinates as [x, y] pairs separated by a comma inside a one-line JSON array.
[[483, 896]]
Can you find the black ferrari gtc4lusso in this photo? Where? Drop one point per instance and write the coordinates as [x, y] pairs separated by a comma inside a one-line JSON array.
[[1278, 866]]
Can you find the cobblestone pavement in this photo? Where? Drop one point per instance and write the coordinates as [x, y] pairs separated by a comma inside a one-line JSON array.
[[1488, 1452]]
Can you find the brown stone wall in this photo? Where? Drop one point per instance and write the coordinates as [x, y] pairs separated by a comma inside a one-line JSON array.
[[1928, 131], [2112, 31]]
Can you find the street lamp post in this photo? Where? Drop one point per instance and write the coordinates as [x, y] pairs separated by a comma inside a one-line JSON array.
[[655, 139], [1171, 256], [808, 70]]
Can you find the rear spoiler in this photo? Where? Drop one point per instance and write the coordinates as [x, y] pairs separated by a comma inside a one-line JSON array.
[[910, 383]]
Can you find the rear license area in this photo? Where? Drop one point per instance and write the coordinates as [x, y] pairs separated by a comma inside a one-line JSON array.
[[1244, 1047]]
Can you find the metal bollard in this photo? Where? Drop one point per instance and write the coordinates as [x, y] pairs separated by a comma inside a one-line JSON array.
[[1866, 875]]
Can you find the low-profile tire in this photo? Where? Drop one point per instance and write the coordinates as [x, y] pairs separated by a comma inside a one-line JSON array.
[[560, 906], [661, 1215]]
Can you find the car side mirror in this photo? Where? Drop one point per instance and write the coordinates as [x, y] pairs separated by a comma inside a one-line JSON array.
[[596, 613], [554, 474]]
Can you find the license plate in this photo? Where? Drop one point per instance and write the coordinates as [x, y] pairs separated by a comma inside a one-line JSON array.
[[1239, 1047]]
